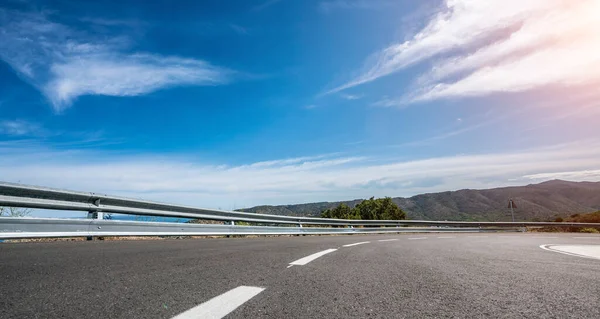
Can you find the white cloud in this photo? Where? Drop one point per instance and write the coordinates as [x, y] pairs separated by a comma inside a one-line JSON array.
[[19, 128], [306, 179], [130, 75], [288, 161], [65, 63], [584, 175], [498, 46]]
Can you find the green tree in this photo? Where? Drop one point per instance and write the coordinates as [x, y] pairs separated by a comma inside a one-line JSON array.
[[369, 209], [342, 211], [389, 210]]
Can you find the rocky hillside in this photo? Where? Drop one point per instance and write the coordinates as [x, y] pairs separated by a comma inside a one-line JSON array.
[[537, 202]]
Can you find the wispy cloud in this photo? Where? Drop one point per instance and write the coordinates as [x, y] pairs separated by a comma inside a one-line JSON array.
[[20, 128], [351, 96], [310, 106], [265, 5], [128, 75], [462, 130], [386, 101], [304, 179], [354, 143], [497, 46], [64, 63], [328, 6], [288, 161], [239, 29], [111, 22], [580, 107]]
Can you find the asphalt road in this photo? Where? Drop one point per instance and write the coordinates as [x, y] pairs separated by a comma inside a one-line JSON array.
[[388, 276]]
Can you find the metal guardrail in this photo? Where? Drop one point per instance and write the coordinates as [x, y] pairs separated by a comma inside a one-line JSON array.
[[14, 228], [17, 195]]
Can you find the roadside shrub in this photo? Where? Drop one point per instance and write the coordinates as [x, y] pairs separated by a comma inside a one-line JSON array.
[[546, 229], [369, 209], [589, 230]]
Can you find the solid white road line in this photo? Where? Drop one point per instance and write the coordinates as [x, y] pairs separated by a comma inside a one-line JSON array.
[[221, 306], [382, 240], [355, 244], [585, 251], [307, 259], [413, 238]]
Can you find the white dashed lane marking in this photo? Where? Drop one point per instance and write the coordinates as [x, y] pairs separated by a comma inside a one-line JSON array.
[[356, 244], [446, 237], [220, 306], [305, 260], [382, 240], [414, 238]]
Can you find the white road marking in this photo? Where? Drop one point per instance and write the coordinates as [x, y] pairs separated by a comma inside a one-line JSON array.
[[413, 238], [545, 237], [382, 240], [588, 237], [307, 259], [446, 237], [477, 236], [220, 306], [585, 251], [356, 244]]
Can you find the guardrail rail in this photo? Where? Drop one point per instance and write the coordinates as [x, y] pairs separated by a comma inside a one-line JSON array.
[[18, 195]]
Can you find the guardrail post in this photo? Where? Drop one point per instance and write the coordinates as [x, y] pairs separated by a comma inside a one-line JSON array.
[[232, 223], [94, 215], [300, 226], [523, 229]]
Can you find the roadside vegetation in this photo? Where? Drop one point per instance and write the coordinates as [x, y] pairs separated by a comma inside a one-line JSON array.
[[575, 218], [369, 209]]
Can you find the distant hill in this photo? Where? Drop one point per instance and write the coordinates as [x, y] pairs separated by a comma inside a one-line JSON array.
[[536, 202]]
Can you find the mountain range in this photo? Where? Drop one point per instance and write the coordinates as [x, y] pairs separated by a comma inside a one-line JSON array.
[[535, 202]]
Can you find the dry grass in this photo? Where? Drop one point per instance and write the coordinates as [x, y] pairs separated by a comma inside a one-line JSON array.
[[576, 218]]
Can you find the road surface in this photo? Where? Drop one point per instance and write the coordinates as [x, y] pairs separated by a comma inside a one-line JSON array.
[[385, 276]]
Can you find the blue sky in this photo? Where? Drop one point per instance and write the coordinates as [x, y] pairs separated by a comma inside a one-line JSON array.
[[232, 104]]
